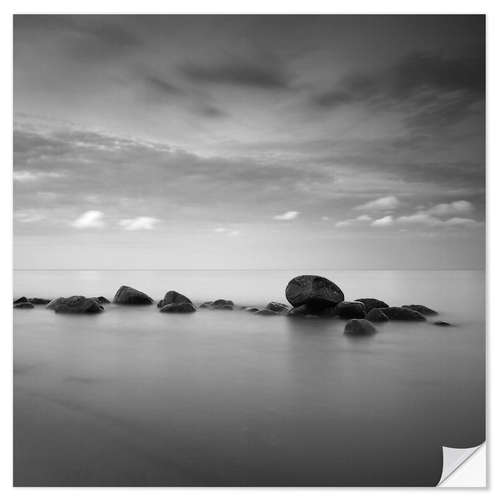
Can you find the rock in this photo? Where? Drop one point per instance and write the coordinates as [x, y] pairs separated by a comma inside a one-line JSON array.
[[127, 295], [21, 300], [372, 304], [350, 310], [251, 309], [277, 307], [205, 305], [359, 327], [442, 323], [426, 311], [299, 311], [376, 316], [76, 304], [267, 312], [173, 297], [314, 291], [23, 305], [178, 307], [222, 304], [402, 314], [101, 300], [38, 301]]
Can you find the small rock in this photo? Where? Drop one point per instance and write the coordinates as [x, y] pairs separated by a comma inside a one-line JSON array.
[[359, 327], [251, 309], [38, 301], [350, 310], [277, 307], [315, 291], [372, 304], [205, 305], [101, 300], [23, 305], [299, 311], [21, 300], [267, 312], [173, 297], [179, 307], [222, 304], [127, 295], [376, 316], [426, 311], [76, 304], [403, 314], [442, 323]]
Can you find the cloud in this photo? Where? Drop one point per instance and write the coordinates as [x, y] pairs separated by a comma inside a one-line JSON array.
[[385, 203], [139, 223], [343, 223], [221, 229], [383, 222], [292, 214], [29, 176], [453, 208], [162, 86], [89, 219], [238, 73], [364, 218], [425, 219]]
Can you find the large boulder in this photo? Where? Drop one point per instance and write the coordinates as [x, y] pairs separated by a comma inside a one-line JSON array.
[[38, 301], [359, 327], [23, 305], [76, 304], [277, 307], [402, 314], [426, 311], [350, 310], [127, 295], [376, 316], [173, 297], [314, 291], [372, 304], [178, 307]]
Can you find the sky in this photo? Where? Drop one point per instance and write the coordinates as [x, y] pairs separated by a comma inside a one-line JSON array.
[[241, 142]]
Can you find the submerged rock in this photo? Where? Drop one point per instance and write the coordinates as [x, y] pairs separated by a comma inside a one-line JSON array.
[[403, 314], [277, 307], [173, 297], [442, 323], [314, 291], [376, 316], [127, 295], [372, 304], [76, 304], [23, 305], [359, 327], [21, 300], [350, 310], [38, 301], [206, 305], [180, 307], [267, 312], [101, 300], [222, 304], [426, 311], [299, 311], [252, 309]]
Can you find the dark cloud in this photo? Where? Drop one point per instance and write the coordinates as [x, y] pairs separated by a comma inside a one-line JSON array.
[[429, 89], [244, 74], [162, 86]]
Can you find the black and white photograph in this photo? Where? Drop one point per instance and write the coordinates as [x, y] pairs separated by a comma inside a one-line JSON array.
[[248, 250]]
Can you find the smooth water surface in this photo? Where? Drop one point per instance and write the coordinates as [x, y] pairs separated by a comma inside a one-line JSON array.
[[135, 397]]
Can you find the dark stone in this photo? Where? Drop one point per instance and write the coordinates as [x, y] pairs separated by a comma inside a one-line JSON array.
[[127, 295], [222, 304], [38, 301], [277, 307], [178, 307], [350, 310], [314, 291], [23, 305], [442, 323], [372, 304], [403, 314], [205, 305], [376, 316], [76, 304], [101, 300], [426, 311], [267, 312], [173, 297], [251, 309], [21, 300], [299, 311], [359, 327]]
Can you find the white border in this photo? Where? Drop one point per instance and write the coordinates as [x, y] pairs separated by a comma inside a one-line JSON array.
[[491, 8]]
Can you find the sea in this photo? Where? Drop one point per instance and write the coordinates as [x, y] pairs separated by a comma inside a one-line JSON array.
[[133, 397]]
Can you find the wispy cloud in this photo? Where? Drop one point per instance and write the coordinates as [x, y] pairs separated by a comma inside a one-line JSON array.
[[30, 176], [385, 203], [453, 208], [383, 221], [89, 219], [139, 223], [292, 214]]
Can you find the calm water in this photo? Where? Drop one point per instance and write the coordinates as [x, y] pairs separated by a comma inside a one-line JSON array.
[[135, 397]]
